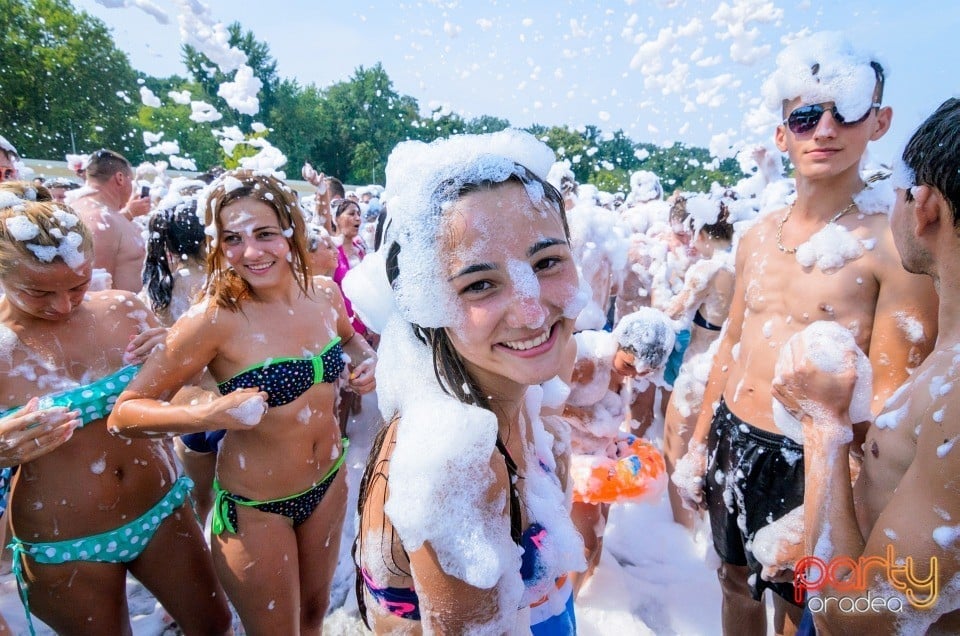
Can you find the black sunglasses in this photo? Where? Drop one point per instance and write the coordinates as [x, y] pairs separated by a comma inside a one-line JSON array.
[[804, 119]]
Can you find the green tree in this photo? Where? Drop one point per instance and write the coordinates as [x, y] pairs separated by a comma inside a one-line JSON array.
[[363, 110], [60, 79], [294, 121], [486, 124]]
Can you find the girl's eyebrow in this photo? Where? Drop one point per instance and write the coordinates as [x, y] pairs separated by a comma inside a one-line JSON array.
[[544, 244], [473, 269], [486, 267]]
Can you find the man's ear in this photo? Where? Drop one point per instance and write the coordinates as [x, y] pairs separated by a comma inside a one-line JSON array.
[[884, 117], [929, 204], [780, 137]]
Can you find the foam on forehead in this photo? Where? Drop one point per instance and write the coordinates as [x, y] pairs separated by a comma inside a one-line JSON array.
[[823, 67], [415, 172]]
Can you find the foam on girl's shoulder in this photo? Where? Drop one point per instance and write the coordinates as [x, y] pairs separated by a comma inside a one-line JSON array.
[[442, 496]]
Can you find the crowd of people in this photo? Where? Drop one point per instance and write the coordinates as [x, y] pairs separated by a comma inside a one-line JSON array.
[[187, 355]]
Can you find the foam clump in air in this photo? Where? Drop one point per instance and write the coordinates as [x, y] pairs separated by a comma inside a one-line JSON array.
[[823, 67], [827, 346], [422, 179]]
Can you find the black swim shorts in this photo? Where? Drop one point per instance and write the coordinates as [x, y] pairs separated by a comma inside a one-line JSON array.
[[753, 478]]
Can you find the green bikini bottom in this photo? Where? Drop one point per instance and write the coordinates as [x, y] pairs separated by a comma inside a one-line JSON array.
[[297, 507], [122, 545]]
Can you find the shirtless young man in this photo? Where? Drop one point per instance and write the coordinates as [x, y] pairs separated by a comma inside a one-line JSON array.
[[108, 205], [830, 98], [905, 502]]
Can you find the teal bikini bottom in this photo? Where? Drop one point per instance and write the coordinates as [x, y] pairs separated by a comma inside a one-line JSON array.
[[122, 545]]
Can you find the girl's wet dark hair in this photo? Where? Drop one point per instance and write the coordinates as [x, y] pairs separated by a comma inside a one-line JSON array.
[[175, 230], [722, 229]]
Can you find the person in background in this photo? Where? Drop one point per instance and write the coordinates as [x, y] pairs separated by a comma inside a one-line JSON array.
[[108, 205], [59, 186]]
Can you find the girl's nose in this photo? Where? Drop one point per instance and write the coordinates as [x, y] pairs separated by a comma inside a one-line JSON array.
[[526, 312]]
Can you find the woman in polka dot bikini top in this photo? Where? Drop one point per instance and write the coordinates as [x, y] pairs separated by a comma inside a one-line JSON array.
[[276, 341]]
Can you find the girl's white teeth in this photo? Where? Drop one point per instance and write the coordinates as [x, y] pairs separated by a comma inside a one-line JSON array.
[[523, 345], [258, 268]]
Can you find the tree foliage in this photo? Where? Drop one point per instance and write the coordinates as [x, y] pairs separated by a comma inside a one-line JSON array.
[[63, 82], [68, 77]]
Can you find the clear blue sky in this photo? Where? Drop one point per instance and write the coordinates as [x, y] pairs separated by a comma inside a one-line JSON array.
[[566, 62]]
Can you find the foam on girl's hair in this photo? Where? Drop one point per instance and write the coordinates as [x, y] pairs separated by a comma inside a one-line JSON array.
[[823, 67], [46, 234], [415, 171]]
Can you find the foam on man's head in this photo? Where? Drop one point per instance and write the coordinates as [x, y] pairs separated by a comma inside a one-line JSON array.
[[825, 67]]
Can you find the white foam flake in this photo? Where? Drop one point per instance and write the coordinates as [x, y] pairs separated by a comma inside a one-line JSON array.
[[241, 93], [148, 98], [249, 412]]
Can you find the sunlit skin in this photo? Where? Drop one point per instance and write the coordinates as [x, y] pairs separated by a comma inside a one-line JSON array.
[[348, 221], [96, 481], [323, 260], [496, 310], [511, 273], [108, 210], [253, 242], [913, 256], [277, 576], [775, 297], [46, 292]]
